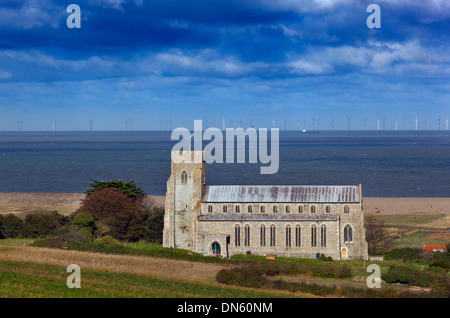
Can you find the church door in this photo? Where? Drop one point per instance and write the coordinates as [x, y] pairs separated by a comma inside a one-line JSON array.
[[216, 249], [344, 253]]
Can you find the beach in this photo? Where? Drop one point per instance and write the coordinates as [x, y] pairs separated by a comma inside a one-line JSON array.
[[67, 203]]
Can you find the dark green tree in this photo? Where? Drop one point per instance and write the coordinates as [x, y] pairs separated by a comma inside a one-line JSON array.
[[129, 188]]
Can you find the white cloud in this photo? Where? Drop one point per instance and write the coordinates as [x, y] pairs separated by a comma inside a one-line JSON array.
[[33, 13]]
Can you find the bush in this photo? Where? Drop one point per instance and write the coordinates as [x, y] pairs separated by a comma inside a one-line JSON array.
[[403, 254], [323, 258], [84, 219], [42, 223], [105, 241], [12, 226], [243, 276]]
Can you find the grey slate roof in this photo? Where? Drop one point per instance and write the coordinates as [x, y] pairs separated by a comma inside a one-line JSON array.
[[281, 194], [267, 217]]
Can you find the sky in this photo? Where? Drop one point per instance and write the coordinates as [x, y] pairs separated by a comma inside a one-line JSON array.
[[151, 65]]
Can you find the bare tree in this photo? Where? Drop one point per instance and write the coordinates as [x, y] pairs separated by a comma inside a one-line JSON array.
[[377, 235]]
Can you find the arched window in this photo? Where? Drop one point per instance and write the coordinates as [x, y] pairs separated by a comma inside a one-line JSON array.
[[262, 235], [215, 247], [184, 177], [247, 235], [313, 236], [250, 209], [288, 209], [348, 234], [272, 235], [323, 236], [275, 209], [288, 236], [262, 209], [328, 209], [225, 208], [237, 209], [237, 235], [298, 235], [346, 209], [313, 209], [300, 209], [210, 208]]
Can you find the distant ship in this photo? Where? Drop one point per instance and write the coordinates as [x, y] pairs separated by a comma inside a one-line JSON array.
[[304, 131]]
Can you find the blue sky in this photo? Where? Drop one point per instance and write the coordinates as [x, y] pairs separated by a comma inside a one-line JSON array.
[[162, 63]]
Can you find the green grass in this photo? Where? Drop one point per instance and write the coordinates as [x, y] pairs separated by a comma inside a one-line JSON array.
[[15, 242], [406, 220], [32, 280], [415, 240]]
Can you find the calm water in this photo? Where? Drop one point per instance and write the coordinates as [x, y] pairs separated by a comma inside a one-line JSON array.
[[390, 164]]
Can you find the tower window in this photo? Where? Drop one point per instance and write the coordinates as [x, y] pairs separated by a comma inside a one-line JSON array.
[[184, 177], [346, 209], [210, 208], [275, 209], [328, 209], [262, 209], [224, 208], [250, 209], [300, 209], [288, 209], [313, 209], [237, 209]]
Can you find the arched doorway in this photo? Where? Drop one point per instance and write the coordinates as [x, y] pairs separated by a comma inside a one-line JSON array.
[[215, 247], [344, 253]]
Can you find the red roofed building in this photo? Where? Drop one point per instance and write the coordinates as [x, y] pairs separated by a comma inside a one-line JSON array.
[[434, 247]]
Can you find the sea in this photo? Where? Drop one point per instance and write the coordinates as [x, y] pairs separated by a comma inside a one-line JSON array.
[[385, 163]]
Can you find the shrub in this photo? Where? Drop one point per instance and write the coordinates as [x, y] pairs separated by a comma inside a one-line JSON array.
[[12, 226], [155, 225], [105, 241], [403, 254], [323, 258], [42, 223], [440, 262], [84, 219], [242, 276]]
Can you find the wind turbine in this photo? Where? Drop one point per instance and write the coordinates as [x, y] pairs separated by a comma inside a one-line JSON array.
[[415, 120], [349, 119], [19, 125]]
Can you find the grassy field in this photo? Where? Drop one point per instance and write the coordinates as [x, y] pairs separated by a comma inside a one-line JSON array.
[[39, 272]]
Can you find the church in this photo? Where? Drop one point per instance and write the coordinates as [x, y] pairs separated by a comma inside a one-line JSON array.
[[303, 221]]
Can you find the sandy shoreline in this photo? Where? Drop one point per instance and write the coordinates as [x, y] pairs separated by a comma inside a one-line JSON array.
[[69, 202]]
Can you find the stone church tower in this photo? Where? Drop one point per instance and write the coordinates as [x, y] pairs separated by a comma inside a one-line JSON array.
[[183, 199]]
